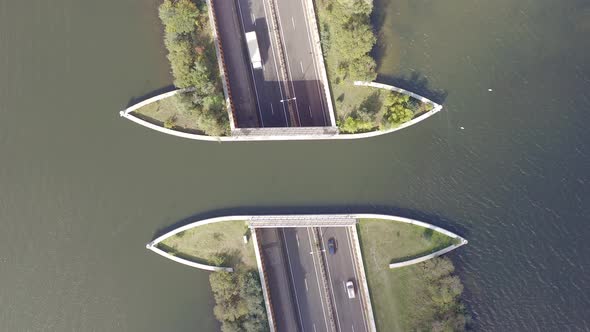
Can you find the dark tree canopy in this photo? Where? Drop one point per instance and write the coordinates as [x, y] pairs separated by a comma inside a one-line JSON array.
[[193, 63], [239, 304]]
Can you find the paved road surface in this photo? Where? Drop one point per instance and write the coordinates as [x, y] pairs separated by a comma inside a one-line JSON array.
[[302, 67], [237, 65], [349, 312], [303, 260], [278, 279], [260, 93], [255, 16]]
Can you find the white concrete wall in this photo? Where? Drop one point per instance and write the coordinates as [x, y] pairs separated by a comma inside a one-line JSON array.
[[265, 294], [422, 224], [152, 245], [242, 138], [363, 281]]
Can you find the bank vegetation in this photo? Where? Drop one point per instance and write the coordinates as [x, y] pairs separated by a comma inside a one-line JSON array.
[[239, 303], [421, 297], [216, 244], [191, 52], [348, 38]]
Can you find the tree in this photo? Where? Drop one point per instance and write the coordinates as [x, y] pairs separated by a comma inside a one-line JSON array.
[[397, 109], [442, 309], [238, 301], [350, 34], [179, 17], [192, 61]]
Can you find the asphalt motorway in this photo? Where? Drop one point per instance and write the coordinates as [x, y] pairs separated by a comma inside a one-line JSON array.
[[294, 274], [255, 16], [341, 267], [304, 84], [310, 104]]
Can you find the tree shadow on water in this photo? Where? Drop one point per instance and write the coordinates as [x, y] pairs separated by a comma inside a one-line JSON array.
[[415, 83]]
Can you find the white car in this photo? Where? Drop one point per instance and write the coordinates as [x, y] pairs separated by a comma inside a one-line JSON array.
[[350, 289]]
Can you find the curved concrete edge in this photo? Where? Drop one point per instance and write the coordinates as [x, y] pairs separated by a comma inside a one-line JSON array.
[[153, 246], [427, 257], [151, 100], [169, 131], [422, 224], [222, 73], [436, 108], [187, 262], [319, 54]]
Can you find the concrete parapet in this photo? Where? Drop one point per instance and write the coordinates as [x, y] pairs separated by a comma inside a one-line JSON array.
[[265, 290], [452, 235], [221, 63], [286, 133], [365, 285], [303, 220], [153, 99], [318, 53], [427, 257], [153, 246]]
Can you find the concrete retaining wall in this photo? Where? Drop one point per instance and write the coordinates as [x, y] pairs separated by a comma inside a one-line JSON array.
[[427, 257], [294, 218], [150, 100], [363, 281], [319, 55], [265, 291], [278, 137], [221, 64], [153, 245], [421, 224]]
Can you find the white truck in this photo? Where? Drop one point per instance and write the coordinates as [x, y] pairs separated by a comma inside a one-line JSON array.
[[253, 50]]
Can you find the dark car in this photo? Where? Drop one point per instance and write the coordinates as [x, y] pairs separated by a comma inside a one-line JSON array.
[[331, 246]]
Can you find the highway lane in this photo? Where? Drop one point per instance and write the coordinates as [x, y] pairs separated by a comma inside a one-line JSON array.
[[255, 16], [278, 279], [237, 65], [300, 300], [341, 268], [303, 260], [303, 70]]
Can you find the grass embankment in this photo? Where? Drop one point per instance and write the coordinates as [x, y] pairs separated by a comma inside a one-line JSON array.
[[419, 297], [218, 244], [191, 52], [347, 39]]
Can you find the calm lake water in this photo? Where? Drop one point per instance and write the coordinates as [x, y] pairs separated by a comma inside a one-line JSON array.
[[82, 191]]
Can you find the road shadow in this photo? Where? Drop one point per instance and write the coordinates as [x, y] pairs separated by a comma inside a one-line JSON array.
[[416, 83], [134, 100]]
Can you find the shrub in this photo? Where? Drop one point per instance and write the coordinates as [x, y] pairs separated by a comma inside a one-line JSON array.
[[186, 30], [239, 304], [397, 109]]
